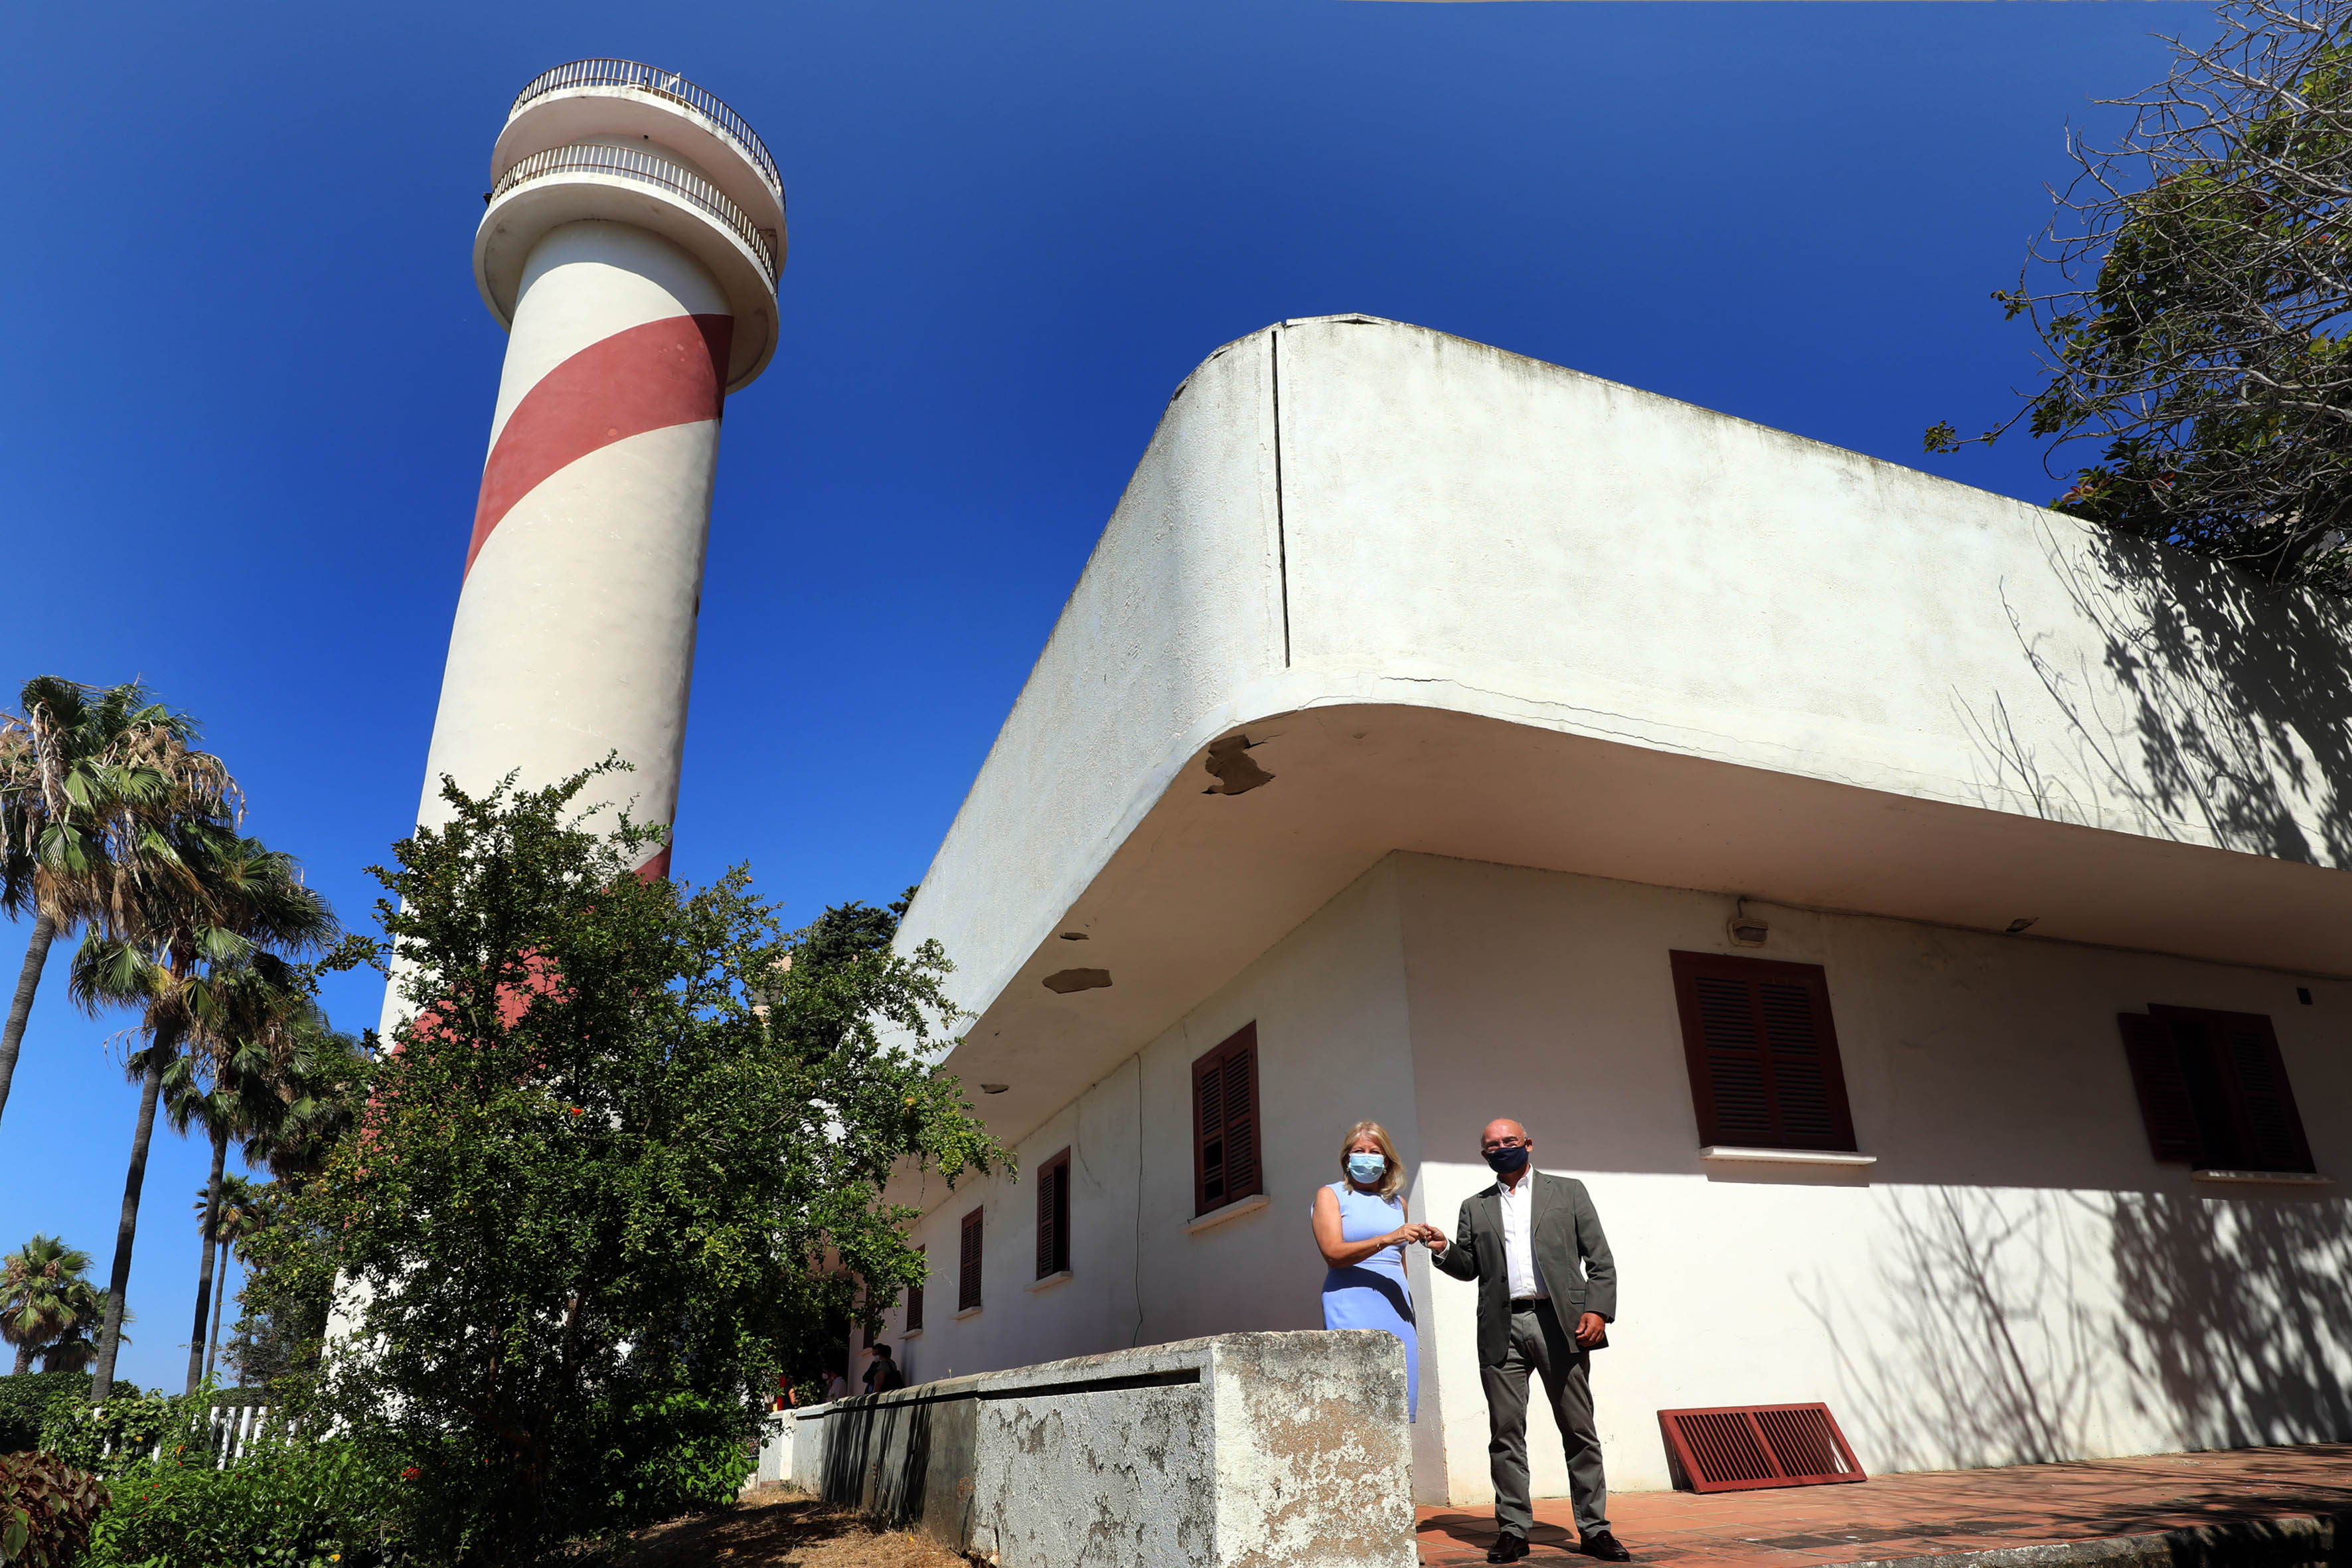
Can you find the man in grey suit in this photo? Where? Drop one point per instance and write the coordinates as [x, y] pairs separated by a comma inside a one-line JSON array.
[[1534, 1245]]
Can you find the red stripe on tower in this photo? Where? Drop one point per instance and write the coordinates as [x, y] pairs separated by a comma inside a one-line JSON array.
[[650, 378]]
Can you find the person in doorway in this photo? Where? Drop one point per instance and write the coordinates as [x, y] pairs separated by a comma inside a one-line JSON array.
[[1534, 1245], [882, 1372], [836, 1386], [1361, 1230]]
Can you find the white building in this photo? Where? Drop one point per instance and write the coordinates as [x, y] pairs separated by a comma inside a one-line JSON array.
[[1423, 702]]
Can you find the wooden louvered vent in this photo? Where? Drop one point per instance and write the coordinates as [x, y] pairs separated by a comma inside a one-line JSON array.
[[1746, 1448]]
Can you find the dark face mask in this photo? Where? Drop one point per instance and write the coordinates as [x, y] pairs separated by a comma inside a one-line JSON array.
[[1505, 1161]]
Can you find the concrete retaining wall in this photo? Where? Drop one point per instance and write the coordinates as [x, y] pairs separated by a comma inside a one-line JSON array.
[[1271, 1450]]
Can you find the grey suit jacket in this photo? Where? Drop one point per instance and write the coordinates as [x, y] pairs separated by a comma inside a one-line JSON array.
[[1571, 1255]]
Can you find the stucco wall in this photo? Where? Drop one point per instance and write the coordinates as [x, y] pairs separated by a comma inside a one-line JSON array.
[[1329, 1004], [1263, 1450], [2014, 1279], [1417, 519]]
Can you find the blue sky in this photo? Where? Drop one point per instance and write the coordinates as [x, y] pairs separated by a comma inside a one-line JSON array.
[[244, 378]]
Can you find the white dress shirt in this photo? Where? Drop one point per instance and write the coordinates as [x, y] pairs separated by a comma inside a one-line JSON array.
[[1518, 1241]]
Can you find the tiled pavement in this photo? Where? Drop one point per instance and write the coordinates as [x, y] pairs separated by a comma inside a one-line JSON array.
[[1930, 1513]]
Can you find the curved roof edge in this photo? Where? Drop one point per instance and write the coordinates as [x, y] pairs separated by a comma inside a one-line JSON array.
[[1347, 515]]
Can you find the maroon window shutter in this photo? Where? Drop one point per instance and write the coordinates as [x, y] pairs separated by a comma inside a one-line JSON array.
[[2164, 1107], [1762, 1053], [1241, 1120], [1053, 1215], [2236, 1089], [914, 1299], [1226, 1166], [2273, 1129], [968, 1273]]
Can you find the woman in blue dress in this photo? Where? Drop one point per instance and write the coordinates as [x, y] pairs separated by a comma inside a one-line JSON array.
[[1361, 1226]]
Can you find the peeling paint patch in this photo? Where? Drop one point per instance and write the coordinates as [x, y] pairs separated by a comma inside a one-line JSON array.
[[1235, 771]]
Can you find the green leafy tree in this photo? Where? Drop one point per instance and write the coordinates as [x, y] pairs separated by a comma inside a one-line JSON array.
[[183, 956], [46, 1297], [2192, 296], [621, 1151], [90, 782]]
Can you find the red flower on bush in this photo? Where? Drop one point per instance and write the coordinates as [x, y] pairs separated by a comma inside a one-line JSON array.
[[411, 1473]]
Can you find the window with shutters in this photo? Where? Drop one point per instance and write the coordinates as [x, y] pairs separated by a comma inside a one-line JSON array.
[[1053, 1215], [968, 1269], [2212, 1091], [1762, 1053], [1224, 1123], [915, 1296]]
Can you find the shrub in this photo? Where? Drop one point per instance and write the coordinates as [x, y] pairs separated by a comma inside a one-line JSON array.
[[46, 1509], [288, 1503], [104, 1440], [672, 1452], [25, 1400]]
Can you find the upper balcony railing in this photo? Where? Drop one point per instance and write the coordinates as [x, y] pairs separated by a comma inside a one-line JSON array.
[[663, 84], [650, 169]]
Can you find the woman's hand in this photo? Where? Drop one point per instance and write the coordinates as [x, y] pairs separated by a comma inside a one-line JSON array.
[[1431, 1237]]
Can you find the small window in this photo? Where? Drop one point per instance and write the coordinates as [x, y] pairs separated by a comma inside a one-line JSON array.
[[1053, 1215], [1762, 1054], [1224, 1123], [915, 1302], [2212, 1091], [968, 1274]]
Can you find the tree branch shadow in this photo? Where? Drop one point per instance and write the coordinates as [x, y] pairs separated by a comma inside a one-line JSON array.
[[2017, 1327]]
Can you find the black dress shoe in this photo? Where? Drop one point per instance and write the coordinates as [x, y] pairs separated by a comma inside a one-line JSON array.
[[1606, 1547], [1509, 1547]]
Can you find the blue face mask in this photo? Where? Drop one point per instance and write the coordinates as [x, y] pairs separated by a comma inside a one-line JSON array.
[[1367, 1168], [1505, 1161]]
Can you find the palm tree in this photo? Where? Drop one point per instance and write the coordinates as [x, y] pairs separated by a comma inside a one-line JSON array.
[[316, 1082], [238, 1213], [88, 778], [181, 957], [44, 1296], [238, 1085]]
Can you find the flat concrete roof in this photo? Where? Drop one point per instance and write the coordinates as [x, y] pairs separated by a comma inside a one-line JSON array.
[[1465, 603]]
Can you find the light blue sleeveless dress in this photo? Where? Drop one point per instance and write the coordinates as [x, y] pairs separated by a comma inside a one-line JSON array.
[[1374, 1294]]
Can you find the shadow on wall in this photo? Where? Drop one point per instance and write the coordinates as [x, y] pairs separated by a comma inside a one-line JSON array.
[[2020, 1327], [2219, 701]]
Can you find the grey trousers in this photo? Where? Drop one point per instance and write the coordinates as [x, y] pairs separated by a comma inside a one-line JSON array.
[[1540, 1344]]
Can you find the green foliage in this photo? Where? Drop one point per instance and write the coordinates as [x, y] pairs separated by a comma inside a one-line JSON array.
[[46, 1298], [288, 1503], [629, 1148], [105, 1437], [25, 1402], [46, 1509], [2193, 300]]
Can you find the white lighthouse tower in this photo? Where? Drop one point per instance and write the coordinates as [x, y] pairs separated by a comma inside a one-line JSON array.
[[634, 234]]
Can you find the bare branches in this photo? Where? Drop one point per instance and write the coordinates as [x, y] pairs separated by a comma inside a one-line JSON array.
[[2192, 295]]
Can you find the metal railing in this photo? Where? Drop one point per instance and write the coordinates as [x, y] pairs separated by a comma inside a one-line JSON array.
[[647, 168], [663, 84]]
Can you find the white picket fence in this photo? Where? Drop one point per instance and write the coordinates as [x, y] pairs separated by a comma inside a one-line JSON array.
[[235, 1431]]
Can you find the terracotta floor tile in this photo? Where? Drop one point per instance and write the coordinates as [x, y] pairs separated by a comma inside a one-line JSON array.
[[1931, 1513]]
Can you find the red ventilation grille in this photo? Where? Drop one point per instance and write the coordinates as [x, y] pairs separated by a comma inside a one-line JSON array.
[[1741, 1448]]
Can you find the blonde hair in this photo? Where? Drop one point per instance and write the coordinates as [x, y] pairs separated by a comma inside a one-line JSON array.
[[1393, 1178]]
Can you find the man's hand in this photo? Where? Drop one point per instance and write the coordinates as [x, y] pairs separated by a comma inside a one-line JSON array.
[[1432, 1238], [1590, 1330]]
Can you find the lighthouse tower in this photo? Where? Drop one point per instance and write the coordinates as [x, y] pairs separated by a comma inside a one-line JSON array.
[[633, 234]]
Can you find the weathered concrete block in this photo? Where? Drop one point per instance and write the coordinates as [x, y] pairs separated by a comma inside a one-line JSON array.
[[1275, 1450]]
